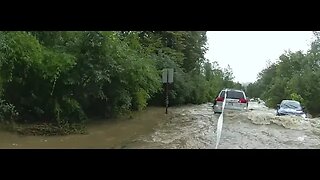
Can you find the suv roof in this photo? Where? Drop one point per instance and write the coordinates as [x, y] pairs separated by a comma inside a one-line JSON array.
[[232, 90], [288, 100], [233, 93]]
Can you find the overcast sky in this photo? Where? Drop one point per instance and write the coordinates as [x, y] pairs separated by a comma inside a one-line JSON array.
[[248, 51]]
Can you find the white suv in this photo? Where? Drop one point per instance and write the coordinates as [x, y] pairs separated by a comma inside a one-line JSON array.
[[235, 100]]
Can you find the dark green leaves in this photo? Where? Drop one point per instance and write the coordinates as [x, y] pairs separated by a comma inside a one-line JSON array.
[[65, 77], [294, 76]]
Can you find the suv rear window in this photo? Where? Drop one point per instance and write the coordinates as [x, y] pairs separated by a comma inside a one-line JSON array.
[[233, 94]]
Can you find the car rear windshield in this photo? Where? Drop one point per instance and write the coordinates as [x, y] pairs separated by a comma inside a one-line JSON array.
[[233, 94], [291, 104]]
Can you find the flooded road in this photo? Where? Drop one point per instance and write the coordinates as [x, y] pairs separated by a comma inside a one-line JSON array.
[[186, 127], [101, 134], [195, 127]]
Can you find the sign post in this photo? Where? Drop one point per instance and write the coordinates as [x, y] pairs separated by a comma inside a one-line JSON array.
[[167, 77], [167, 95]]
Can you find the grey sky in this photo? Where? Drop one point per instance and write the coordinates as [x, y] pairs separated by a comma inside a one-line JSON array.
[[248, 51]]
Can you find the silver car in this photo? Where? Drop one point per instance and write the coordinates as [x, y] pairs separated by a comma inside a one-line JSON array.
[[291, 107], [235, 100]]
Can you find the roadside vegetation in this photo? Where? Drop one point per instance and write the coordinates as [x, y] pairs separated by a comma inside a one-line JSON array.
[[52, 83], [295, 75]]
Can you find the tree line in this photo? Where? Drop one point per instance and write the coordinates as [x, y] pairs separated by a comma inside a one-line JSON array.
[[71, 76], [296, 75]]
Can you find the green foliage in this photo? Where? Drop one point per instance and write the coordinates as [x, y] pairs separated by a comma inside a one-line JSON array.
[[65, 78], [140, 99], [297, 97], [295, 76], [7, 112]]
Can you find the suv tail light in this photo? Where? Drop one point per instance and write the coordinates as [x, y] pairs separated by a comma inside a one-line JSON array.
[[242, 100], [220, 99]]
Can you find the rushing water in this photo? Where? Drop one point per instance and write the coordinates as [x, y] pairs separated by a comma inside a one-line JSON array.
[[186, 127], [194, 127]]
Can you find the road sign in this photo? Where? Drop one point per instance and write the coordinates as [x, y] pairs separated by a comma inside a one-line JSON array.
[[167, 75], [164, 76], [170, 75]]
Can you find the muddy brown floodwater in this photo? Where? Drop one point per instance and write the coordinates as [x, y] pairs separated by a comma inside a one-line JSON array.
[[101, 134], [186, 127], [193, 127]]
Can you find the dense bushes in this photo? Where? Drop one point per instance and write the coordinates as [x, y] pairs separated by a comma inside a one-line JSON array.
[[294, 76], [66, 77], [7, 112]]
